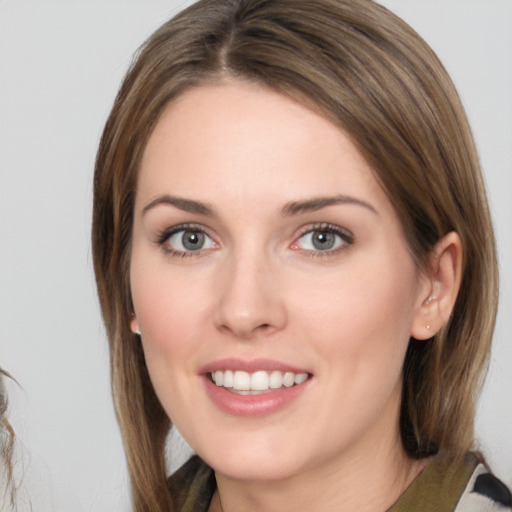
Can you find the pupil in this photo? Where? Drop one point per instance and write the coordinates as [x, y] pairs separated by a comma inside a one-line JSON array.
[[193, 240], [323, 240]]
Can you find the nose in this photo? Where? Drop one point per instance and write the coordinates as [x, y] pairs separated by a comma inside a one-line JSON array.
[[250, 298]]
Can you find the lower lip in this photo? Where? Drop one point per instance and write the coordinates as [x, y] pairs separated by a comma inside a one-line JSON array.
[[252, 405]]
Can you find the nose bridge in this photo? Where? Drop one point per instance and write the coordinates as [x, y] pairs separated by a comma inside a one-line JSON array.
[[249, 296]]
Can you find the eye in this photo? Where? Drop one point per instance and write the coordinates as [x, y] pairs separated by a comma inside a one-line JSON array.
[[183, 241], [325, 238]]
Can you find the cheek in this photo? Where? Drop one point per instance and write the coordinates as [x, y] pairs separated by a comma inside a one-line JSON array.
[[161, 299], [169, 311], [362, 318]]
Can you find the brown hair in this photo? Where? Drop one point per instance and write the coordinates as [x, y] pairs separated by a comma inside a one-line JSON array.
[[369, 72], [7, 438]]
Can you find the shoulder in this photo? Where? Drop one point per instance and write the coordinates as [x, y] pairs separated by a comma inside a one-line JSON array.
[[455, 483], [448, 484], [192, 486], [484, 493]]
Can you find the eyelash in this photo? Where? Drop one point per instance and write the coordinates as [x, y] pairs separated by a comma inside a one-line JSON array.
[[163, 237], [346, 236]]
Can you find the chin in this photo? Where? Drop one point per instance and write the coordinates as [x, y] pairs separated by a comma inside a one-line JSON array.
[[256, 457], [258, 468]]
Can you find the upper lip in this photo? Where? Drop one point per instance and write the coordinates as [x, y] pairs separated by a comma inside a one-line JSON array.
[[250, 366]]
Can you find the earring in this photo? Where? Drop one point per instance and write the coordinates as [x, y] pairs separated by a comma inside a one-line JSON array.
[[428, 326], [133, 323]]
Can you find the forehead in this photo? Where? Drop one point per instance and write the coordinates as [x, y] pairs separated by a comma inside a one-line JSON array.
[[241, 138]]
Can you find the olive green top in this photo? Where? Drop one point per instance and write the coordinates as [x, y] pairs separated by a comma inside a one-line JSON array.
[[439, 487]]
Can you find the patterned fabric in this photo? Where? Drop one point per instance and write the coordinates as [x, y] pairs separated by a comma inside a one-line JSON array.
[[485, 493], [447, 484], [192, 486]]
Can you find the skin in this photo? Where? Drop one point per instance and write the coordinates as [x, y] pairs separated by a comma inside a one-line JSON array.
[[259, 289]]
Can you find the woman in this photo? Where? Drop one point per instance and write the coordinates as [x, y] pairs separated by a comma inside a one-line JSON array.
[[295, 264]]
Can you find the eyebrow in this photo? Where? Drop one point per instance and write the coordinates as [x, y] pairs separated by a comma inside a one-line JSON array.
[[290, 209], [317, 203], [187, 205]]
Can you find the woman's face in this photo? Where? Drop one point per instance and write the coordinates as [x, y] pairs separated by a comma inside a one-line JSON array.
[[266, 253]]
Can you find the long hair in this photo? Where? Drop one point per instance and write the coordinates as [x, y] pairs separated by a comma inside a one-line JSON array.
[[7, 440], [367, 71]]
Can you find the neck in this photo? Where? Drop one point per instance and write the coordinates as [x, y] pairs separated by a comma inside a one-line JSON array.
[[352, 482]]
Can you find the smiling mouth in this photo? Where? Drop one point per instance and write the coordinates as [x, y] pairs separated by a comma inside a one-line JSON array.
[[259, 382]]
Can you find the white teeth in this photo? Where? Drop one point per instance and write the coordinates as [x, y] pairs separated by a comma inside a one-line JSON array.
[[228, 379], [276, 380], [257, 381], [299, 378], [241, 381], [289, 379], [218, 377]]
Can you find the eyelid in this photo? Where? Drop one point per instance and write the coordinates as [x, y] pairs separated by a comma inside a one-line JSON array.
[[346, 235], [163, 236]]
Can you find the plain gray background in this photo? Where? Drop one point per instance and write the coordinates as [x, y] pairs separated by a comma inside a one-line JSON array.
[[61, 63]]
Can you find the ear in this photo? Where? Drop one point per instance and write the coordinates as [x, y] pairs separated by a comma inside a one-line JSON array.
[[442, 278], [134, 325]]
